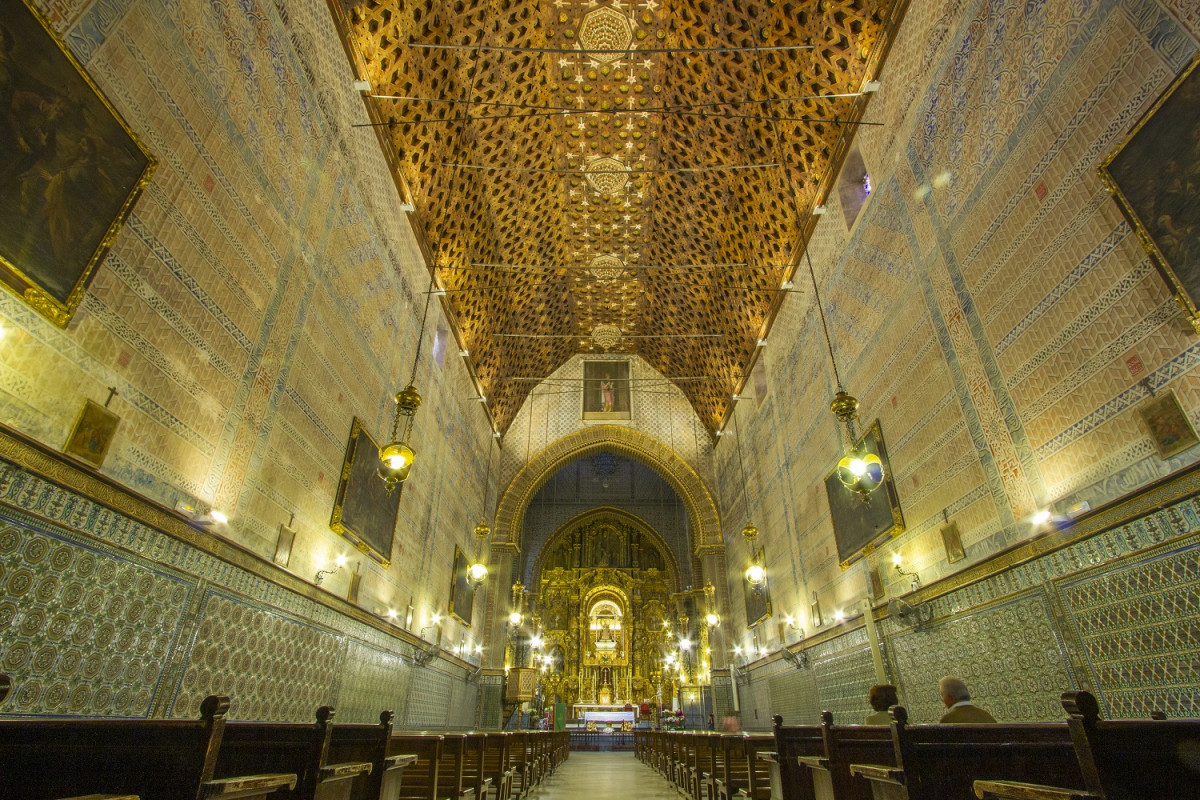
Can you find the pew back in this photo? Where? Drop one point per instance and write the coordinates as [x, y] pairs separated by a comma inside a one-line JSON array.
[[789, 780]]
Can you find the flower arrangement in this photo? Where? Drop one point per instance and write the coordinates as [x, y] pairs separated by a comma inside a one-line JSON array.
[[672, 720]]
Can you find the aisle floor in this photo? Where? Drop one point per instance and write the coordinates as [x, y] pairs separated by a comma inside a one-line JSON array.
[[600, 776]]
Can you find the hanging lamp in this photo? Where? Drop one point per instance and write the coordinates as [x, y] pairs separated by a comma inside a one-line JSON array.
[[396, 457], [477, 573], [756, 573], [859, 470]]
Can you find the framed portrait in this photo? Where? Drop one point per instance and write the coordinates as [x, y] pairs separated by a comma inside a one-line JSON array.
[[283, 545], [858, 524], [1168, 425], [70, 168], [606, 390], [462, 593], [363, 510], [758, 598], [952, 541], [92, 434], [1153, 177]]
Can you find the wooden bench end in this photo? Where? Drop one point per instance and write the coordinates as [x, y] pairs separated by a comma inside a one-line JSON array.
[[248, 786], [1013, 790]]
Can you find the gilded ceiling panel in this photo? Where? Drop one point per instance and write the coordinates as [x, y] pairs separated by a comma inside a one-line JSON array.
[[616, 176]]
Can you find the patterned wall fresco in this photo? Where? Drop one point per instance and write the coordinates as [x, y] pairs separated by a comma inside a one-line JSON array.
[[123, 620], [265, 291], [1113, 613], [990, 305]]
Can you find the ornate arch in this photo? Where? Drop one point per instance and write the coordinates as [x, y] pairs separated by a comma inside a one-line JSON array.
[[644, 528], [703, 518]]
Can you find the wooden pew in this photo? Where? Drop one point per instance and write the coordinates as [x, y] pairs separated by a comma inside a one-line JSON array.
[[523, 766], [738, 770], [290, 747], [708, 764], [943, 761], [421, 777], [497, 766], [153, 759], [789, 779], [474, 772], [1118, 759], [451, 768], [369, 743], [758, 769], [700, 761], [845, 745]]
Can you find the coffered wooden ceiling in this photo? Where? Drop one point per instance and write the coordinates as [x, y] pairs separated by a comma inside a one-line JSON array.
[[617, 176]]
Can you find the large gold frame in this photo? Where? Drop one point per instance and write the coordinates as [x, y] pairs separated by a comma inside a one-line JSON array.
[[1188, 303], [26, 287]]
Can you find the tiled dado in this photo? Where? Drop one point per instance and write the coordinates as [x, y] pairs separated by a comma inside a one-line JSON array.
[[89, 627]]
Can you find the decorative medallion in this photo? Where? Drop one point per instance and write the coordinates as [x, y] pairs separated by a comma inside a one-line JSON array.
[[606, 175], [605, 29], [607, 268], [606, 337]]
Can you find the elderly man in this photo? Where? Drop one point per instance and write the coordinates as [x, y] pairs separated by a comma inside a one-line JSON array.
[[959, 708]]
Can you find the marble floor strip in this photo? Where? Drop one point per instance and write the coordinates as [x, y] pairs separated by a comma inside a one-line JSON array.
[[600, 776]]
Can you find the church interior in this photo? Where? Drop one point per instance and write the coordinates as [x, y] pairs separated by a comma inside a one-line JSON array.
[[614, 368]]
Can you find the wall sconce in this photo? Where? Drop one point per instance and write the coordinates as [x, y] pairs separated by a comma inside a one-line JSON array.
[[839, 616], [338, 563], [906, 573]]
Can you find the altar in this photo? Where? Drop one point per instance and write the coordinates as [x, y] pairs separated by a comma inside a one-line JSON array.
[[593, 712]]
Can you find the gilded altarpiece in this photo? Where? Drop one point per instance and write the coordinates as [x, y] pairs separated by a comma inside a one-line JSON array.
[[607, 589]]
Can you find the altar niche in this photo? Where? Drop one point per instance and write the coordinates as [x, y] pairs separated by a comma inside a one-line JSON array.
[[604, 588]]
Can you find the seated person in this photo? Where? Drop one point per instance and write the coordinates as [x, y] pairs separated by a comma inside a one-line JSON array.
[[960, 709], [882, 697]]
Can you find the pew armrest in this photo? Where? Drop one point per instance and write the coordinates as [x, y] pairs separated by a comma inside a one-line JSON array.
[[104, 797], [767, 755], [1012, 790], [246, 787], [399, 760], [814, 762], [879, 773], [341, 772]]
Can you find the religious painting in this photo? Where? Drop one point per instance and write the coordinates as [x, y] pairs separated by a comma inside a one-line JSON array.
[[860, 522], [814, 612], [92, 434], [1168, 425], [606, 390], [758, 598], [462, 593], [70, 168], [363, 509], [1155, 178], [283, 545], [952, 541]]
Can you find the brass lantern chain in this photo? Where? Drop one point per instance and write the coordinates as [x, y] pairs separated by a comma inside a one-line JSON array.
[[477, 573], [396, 457], [755, 573]]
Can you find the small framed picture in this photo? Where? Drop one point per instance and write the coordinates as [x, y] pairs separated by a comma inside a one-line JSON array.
[[952, 541], [283, 545], [93, 433], [876, 583], [1168, 426], [814, 612]]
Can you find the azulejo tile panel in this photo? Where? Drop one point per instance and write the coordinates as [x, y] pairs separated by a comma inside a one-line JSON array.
[[84, 629], [1138, 629], [843, 680], [372, 681], [272, 666], [1006, 653]]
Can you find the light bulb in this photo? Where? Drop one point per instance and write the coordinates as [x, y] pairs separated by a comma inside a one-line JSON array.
[[514, 618], [685, 644], [535, 642], [1041, 517], [756, 574], [220, 518], [858, 466], [712, 619], [391, 613], [477, 573], [341, 560], [896, 559], [436, 618]]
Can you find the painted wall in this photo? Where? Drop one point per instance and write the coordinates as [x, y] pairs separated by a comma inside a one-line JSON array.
[[986, 305]]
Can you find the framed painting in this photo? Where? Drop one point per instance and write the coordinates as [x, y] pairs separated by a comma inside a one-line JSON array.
[[70, 168], [952, 541], [1168, 425], [758, 598], [462, 594], [859, 524], [92, 434], [363, 510], [606, 392], [1155, 178], [283, 545]]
